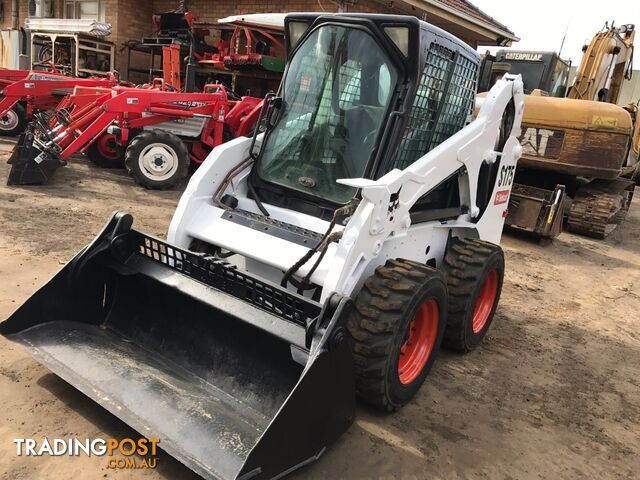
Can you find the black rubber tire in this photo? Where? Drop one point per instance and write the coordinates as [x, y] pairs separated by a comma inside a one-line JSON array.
[[98, 159], [21, 113], [226, 134], [146, 138], [466, 266], [379, 323]]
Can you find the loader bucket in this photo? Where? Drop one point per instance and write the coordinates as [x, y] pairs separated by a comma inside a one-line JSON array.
[[29, 166], [236, 376], [536, 211]]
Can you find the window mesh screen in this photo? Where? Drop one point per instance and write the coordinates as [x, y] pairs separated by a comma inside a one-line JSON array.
[[444, 98], [350, 73]]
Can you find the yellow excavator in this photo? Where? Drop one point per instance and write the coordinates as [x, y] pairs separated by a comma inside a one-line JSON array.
[[580, 151]]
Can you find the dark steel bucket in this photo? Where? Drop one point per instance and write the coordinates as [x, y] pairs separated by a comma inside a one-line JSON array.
[[237, 377], [29, 165], [536, 211]]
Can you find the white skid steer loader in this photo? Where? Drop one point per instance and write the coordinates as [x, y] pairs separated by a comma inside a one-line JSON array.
[[327, 257]]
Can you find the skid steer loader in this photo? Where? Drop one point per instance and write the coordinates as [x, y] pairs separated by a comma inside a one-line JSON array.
[[327, 257]]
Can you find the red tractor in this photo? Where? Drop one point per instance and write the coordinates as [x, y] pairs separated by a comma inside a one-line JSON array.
[[24, 92], [157, 132]]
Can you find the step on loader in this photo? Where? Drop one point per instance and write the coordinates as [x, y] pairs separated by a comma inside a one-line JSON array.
[[324, 259]]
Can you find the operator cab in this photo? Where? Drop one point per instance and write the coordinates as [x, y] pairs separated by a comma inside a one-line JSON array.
[[362, 94], [544, 71]]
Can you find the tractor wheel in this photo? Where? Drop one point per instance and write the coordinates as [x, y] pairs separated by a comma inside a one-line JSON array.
[[474, 271], [157, 159], [397, 325], [14, 121], [106, 153]]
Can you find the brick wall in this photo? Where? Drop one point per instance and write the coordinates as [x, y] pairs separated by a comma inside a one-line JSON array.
[[210, 11], [130, 20], [6, 21]]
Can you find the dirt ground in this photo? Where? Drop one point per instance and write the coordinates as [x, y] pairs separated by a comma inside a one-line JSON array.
[[554, 391]]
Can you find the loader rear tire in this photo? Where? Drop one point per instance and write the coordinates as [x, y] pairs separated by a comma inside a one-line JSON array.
[[14, 122], [157, 160], [397, 325], [474, 270]]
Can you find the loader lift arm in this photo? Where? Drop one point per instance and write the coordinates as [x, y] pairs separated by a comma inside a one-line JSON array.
[[24, 93]]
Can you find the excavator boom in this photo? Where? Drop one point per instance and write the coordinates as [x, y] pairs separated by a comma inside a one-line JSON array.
[[606, 63]]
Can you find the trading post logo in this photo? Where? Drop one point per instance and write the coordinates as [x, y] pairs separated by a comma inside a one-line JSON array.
[[122, 454]]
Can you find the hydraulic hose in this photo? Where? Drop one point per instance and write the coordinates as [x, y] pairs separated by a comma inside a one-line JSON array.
[[345, 211]]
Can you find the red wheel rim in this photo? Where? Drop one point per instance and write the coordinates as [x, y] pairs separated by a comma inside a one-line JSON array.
[[108, 147], [485, 301], [421, 337]]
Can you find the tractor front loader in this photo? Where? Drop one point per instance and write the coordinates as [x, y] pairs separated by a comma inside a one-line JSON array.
[[24, 92], [326, 258], [162, 130]]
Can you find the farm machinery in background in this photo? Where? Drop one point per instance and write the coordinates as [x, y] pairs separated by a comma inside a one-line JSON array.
[[327, 257], [156, 130], [25, 92], [580, 152], [250, 41], [164, 131], [244, 52], [257, 41]]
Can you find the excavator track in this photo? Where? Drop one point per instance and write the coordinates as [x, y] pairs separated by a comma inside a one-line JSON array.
[[600, 207]]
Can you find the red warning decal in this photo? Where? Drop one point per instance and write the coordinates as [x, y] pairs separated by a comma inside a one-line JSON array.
[[305, 83], [501, 197]]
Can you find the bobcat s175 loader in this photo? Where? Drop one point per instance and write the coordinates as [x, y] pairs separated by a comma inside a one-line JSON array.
[[326, 258]]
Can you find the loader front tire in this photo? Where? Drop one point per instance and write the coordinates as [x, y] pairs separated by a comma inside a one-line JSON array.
[[14, 121], [397, 325], [474, 270], [157, 160]]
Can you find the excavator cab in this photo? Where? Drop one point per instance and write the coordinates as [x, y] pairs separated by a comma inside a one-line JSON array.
[[544, 71]]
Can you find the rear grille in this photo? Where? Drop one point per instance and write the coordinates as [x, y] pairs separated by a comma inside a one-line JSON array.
[[222, 276]]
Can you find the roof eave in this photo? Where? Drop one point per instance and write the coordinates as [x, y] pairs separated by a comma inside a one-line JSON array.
[[499, 32]]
